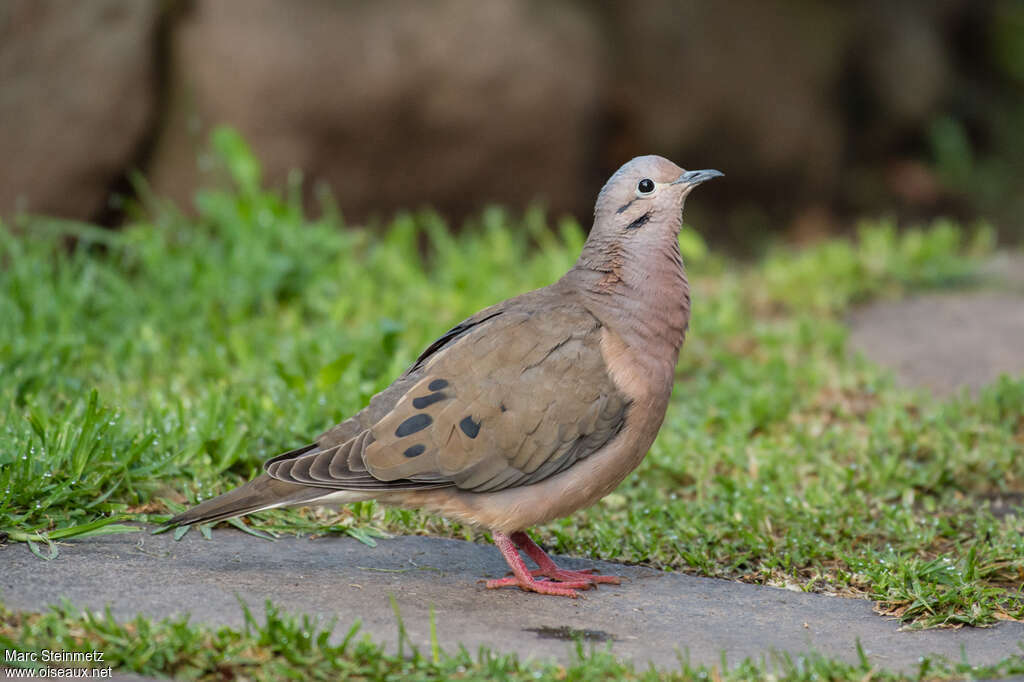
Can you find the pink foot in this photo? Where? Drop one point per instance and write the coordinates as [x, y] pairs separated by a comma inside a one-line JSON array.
[[561, 582], [587, 575], [558, 589]]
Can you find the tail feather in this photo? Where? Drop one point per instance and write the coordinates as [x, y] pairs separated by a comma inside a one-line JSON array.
[[263, 492]]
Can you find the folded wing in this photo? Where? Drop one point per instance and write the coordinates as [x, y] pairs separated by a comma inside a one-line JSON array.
[[504, 399]]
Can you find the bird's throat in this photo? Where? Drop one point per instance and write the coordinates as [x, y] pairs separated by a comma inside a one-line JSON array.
[[642, 297]]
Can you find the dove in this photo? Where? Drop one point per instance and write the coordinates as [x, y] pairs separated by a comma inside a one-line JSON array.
[[528, 410]]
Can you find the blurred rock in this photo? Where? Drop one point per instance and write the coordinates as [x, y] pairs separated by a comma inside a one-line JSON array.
[[813, 224], [905, 64], [817, 112], [392, 104], [76, 103], [745, 86], [913, 182]]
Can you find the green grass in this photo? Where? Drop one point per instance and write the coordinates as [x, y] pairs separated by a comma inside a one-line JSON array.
[[283, 646], [161, 364]]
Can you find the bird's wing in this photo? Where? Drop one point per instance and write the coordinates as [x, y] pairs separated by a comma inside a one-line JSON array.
[[507, 398], [385, 401]]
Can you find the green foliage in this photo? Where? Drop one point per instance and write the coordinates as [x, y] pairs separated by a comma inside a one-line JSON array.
[[162, 364], [1007, 48], [830, 276], [977, 153], [283, 647], [954, 157]]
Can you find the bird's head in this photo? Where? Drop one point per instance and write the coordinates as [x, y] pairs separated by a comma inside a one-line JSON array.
[[648, 190]]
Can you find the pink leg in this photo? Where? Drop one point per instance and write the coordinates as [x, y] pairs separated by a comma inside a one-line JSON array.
[[547, 567], [567, 581]]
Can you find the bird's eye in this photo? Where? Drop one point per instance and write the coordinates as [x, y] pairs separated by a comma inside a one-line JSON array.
[[645, 186]]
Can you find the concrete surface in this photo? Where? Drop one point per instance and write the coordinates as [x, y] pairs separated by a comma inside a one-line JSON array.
[[653, 618], [946, 341]]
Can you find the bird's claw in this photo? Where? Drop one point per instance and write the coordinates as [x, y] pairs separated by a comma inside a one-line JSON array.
[[586, 575], [559, 582], [558, 589]]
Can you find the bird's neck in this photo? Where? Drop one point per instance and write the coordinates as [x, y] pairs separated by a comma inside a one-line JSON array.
[[641, 295]]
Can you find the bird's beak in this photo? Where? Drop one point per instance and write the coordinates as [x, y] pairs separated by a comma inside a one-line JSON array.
[[695, 177]]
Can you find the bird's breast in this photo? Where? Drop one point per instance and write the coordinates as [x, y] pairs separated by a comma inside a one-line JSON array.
[[643, 374]]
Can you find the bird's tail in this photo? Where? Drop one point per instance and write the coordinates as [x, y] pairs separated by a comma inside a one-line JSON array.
[[263, 492]]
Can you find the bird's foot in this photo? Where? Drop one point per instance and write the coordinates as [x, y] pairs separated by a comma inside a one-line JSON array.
[[586, 575], [531, 584], [559, 581]]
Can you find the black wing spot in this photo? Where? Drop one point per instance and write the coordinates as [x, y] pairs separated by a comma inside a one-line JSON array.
[[503, 408], [437, 384], [639, 222], [469, 427], [413, 424], [425, 401], [415, 450]]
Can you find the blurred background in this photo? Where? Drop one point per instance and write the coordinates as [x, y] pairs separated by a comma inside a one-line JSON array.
[[819, 113]]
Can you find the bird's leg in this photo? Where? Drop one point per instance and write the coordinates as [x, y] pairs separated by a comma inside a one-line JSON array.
[[524, 580], [567, 581], [547, 567]]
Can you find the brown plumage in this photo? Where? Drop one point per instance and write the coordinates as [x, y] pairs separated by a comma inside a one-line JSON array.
[[530, 409]]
